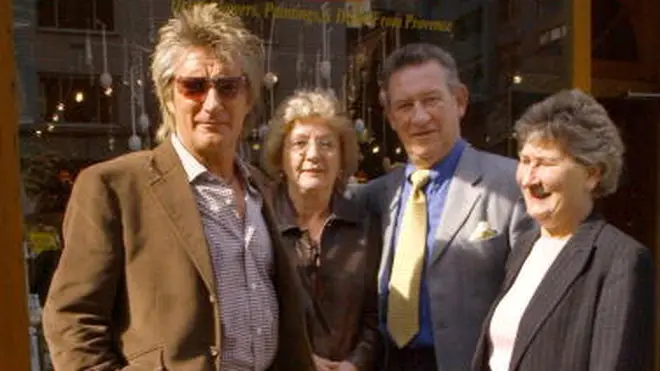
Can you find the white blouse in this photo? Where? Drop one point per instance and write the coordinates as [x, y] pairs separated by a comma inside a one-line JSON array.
[[506, 318]]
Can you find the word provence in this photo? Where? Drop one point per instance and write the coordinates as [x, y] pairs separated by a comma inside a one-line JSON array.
[[343, 16]]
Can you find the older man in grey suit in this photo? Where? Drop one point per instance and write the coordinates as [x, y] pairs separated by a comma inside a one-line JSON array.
[[450, 217]]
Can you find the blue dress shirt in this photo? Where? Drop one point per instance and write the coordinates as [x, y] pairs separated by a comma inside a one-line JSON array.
[[436, 193]]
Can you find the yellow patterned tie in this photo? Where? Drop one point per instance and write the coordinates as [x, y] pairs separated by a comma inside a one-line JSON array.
[[403, 298]]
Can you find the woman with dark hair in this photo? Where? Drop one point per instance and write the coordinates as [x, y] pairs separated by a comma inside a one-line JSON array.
[[578, 294]]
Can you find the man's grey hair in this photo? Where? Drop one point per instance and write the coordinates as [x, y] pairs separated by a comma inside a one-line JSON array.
[[413, 55], [584, 130]]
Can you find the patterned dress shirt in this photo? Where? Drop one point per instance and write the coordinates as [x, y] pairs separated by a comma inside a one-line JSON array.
[[242, 259]]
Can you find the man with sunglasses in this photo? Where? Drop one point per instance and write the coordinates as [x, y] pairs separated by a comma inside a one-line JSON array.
[[172, 260]]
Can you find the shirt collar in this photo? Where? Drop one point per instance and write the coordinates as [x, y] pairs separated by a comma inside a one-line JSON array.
[[340, 209], [445, 167], [194, 169], [190, 164]]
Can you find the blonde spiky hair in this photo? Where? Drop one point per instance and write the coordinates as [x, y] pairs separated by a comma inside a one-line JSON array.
[[203, 25]]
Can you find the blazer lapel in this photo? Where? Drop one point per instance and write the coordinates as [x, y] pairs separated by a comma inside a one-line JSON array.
[[294, 351], [513, 265], [392, 193], [560, 276], [172, 192], [461, 197], [517, 258], [283, 261]]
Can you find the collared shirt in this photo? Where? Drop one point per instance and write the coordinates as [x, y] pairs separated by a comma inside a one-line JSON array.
[[242, 259], [339, 276], [436, 194]]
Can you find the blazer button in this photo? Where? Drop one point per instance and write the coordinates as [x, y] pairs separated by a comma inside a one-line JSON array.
[[213, 351], [212, 299]]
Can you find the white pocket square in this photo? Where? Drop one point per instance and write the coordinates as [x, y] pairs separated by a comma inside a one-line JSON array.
[[483, 231]]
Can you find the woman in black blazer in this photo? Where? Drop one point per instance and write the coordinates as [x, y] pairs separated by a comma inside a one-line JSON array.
[[578, 295]]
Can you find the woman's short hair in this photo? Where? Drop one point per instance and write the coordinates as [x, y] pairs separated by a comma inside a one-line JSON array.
[[304, 104], [209, 26], [582, 126]]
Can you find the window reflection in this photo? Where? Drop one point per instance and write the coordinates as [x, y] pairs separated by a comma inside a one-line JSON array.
[[510, 53], [76, 14], [74, 98]]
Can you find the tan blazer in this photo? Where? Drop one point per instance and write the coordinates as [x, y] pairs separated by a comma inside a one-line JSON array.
[[135, 290]]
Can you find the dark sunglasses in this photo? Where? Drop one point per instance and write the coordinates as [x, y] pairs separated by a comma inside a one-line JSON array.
[[196, 88]]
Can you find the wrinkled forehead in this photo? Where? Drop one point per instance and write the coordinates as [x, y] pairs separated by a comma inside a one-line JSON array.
[[418, 79]]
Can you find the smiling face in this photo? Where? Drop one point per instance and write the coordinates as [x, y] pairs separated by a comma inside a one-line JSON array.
[[311, 158], [425, 112], [557, 189], [211, 122]]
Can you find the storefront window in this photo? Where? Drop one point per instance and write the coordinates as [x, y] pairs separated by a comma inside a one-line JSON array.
[[86, 94], [75, 14], [74, 99]]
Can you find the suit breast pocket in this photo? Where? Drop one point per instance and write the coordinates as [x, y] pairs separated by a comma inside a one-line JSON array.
[[487, 257], [495, 244]]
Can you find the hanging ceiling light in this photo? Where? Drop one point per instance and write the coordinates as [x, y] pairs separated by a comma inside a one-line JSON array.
[[326, 69], [135, 142], [106, 80], [270, 80], [143, 122], [359, 125], [517, 79]]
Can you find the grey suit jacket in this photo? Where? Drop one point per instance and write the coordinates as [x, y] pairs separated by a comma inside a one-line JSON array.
[[463, 274]]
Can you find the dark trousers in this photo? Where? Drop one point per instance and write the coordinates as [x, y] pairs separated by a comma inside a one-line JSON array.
[[406, 359]]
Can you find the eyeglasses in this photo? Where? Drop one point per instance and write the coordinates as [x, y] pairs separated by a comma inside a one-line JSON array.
[[196, 88], [322, 144]]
